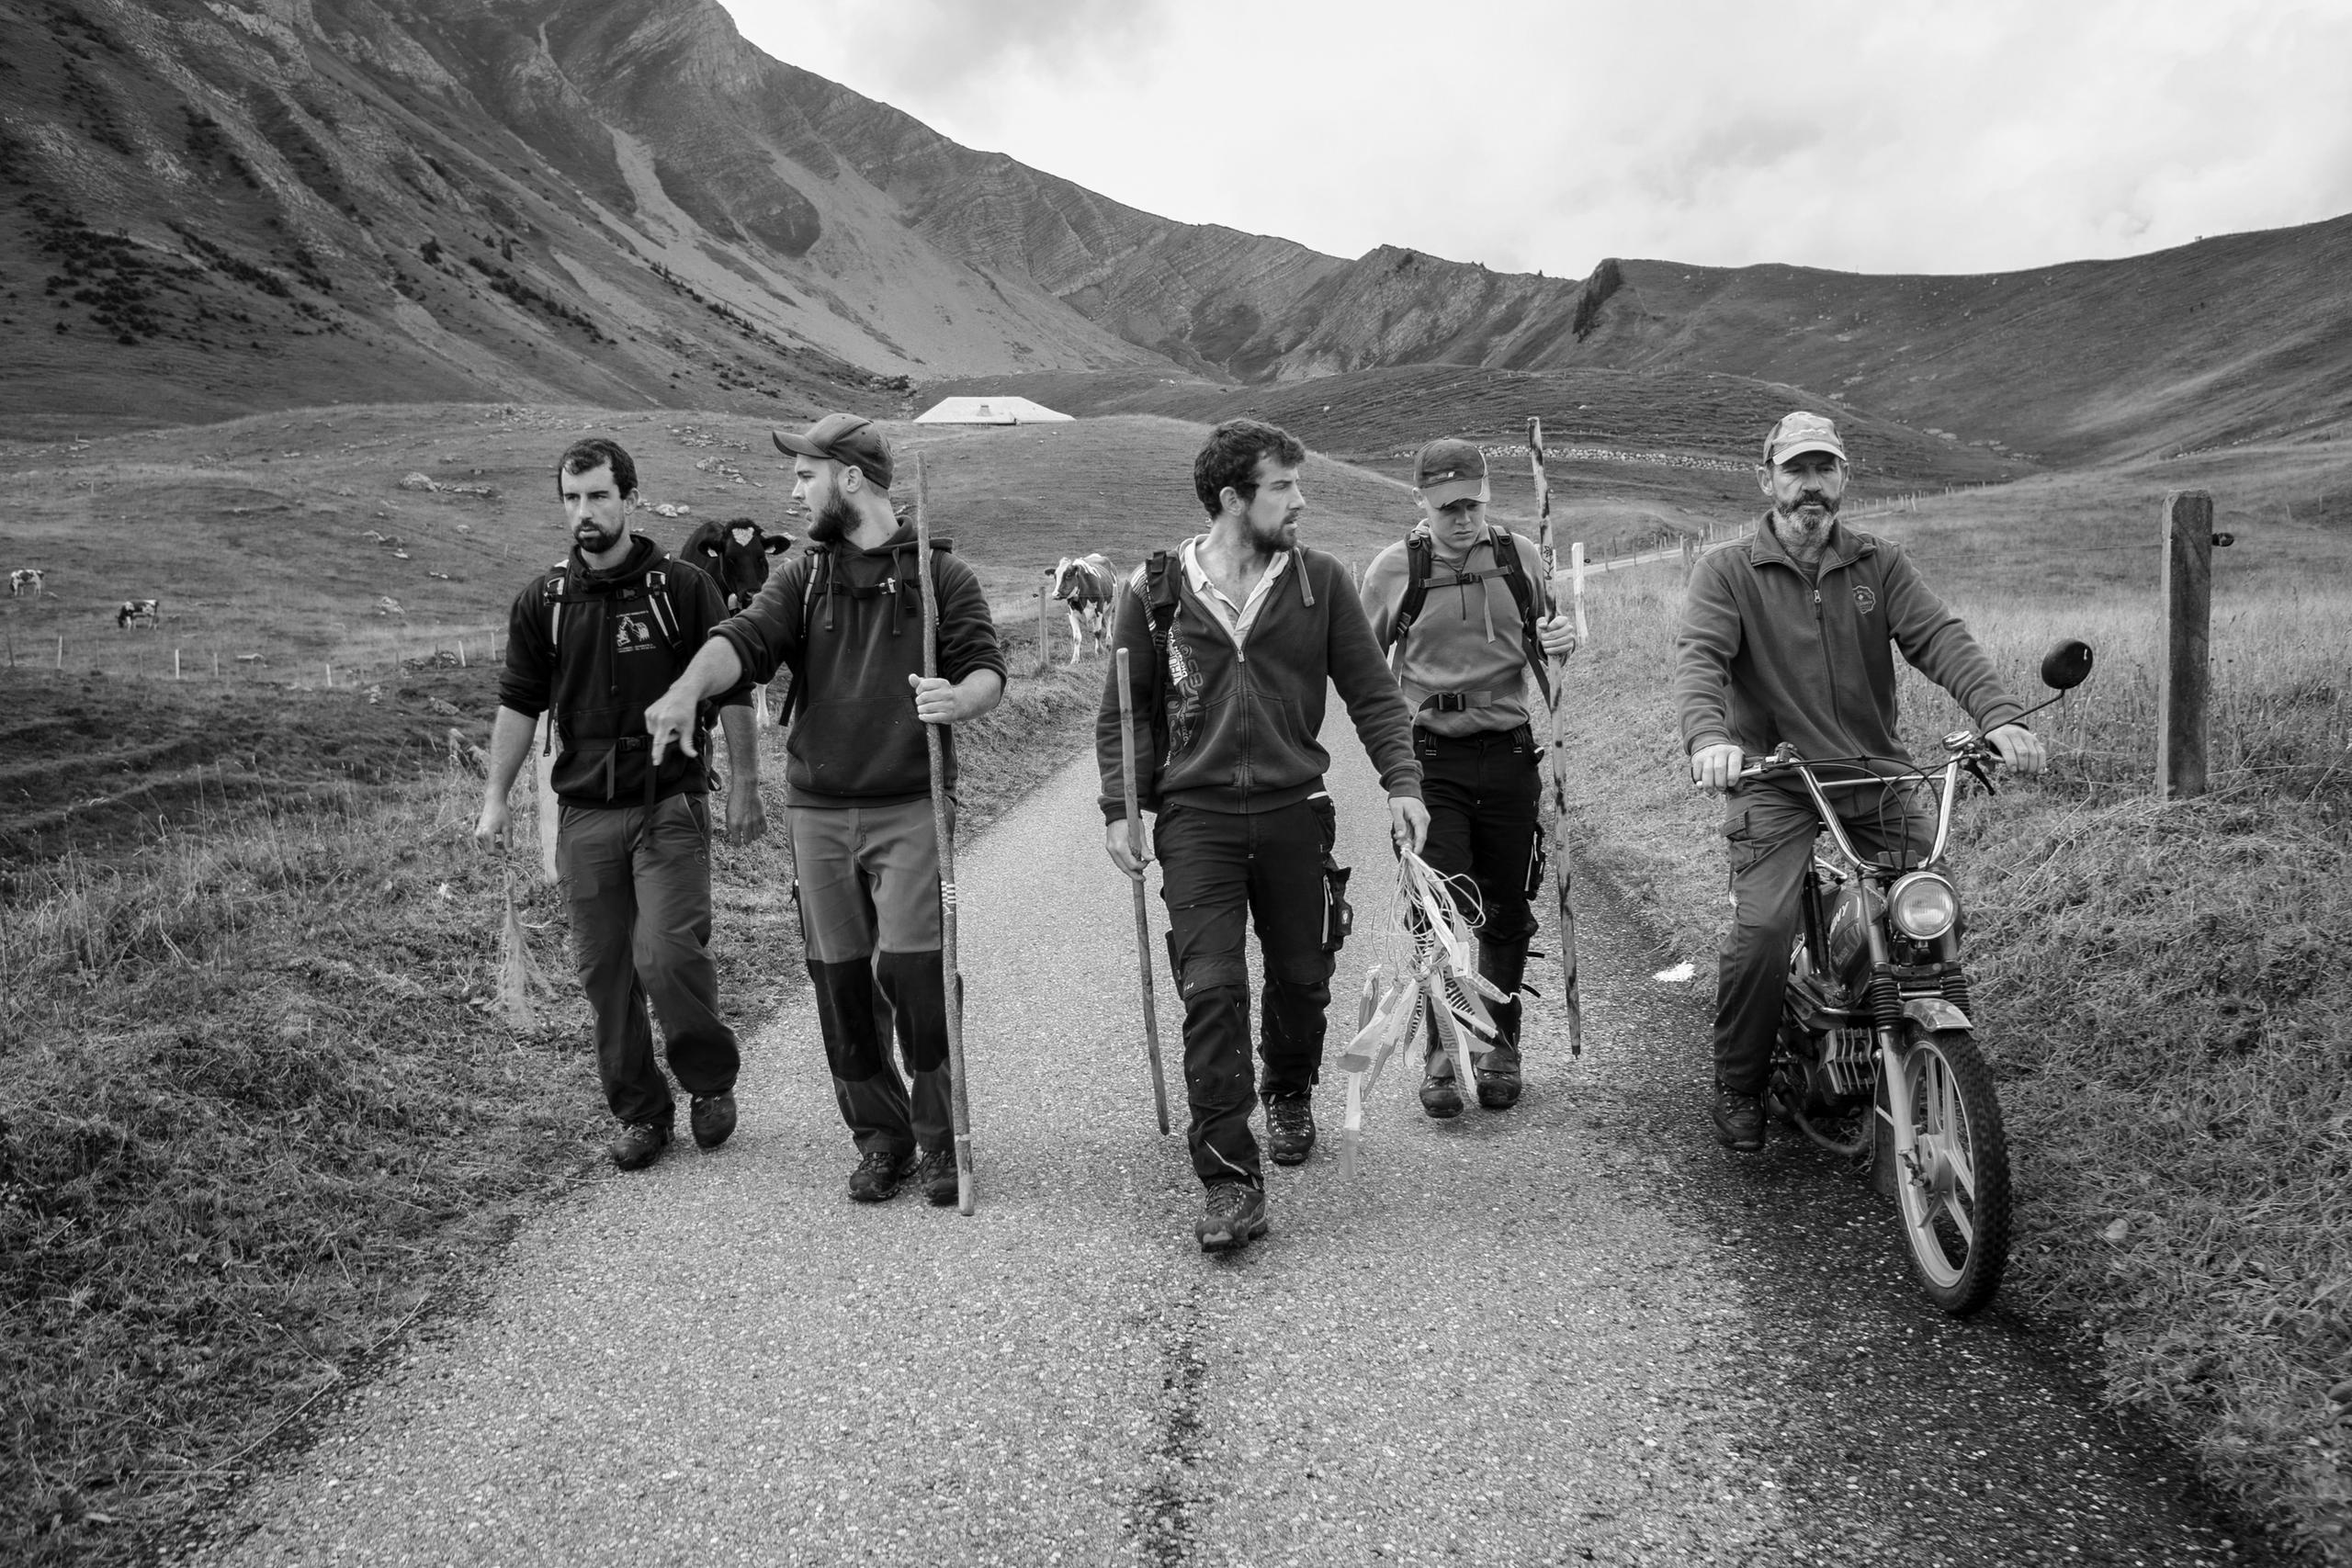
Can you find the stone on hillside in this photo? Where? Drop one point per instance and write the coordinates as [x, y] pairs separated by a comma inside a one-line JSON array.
[[418, 482]]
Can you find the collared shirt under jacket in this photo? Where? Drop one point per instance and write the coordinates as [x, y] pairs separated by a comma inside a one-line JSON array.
[[1241, 714]]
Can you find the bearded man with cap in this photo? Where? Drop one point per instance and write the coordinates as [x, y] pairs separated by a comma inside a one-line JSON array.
[[1787, 635], [1463, 610], [846, 617]]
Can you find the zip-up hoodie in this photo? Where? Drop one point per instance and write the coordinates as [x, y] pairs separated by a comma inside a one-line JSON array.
[[1766, 655], [1241, 720], [852, 637], [624, 642]]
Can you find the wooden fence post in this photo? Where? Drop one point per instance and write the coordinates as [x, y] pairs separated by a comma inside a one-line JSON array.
[[2187, 678], [1576, 579], [1045, 630]]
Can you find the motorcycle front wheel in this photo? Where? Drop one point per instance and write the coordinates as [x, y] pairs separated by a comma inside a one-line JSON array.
[[1954, 1194]]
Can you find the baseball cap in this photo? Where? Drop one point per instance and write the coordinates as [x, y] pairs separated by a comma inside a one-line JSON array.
[[1802, 431], [1450, 470], [843, 438]]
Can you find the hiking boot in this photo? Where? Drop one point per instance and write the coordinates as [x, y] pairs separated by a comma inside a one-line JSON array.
[[712, 1118], [935, 1173], [1290, 1128], [1739, 1120], [1441, 1095], [1236, 1216], [1499, 1079], [877, 1175], [639, 1143]]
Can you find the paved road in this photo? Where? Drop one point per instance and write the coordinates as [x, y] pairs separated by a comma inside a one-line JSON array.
[[1576, 1332]]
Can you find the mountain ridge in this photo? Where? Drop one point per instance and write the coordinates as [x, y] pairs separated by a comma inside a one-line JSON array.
[[264, 202]]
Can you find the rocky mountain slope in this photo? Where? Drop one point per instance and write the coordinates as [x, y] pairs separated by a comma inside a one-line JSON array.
[[211, 206]]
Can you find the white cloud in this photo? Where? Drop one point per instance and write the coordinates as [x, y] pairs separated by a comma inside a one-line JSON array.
[[1887, 137]]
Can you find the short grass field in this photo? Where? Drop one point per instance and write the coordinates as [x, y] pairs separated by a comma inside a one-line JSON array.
[[258, 1110], [2164, 988]]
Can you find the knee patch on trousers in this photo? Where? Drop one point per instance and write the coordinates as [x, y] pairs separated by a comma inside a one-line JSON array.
[[918, 991], [854, 1049], [1207, 973]]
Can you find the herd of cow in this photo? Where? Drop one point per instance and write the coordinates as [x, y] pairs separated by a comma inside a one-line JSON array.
[[736, 554], [25, 582]]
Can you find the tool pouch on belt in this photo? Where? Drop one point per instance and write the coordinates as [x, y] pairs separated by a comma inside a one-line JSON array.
[[1338, 915], [1538, 861]]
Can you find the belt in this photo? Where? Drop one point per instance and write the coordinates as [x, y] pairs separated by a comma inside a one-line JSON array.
[[1455, 702], [1519, 737]]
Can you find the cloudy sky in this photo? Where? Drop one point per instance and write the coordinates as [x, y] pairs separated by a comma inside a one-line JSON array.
[[1896, 136]]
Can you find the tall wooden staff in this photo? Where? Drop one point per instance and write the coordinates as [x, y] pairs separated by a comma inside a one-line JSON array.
[[1557, 754], [1143, 920], [951, 980]]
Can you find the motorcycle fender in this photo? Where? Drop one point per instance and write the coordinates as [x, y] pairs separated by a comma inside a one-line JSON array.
[[1934, 1013]]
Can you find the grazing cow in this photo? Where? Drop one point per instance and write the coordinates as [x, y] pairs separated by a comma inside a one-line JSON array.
[[1085, 584], [23, 581], [136, 610], [735, 555]]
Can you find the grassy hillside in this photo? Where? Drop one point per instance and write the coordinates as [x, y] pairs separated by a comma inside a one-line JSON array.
[[2241, 337], [2162, 990]]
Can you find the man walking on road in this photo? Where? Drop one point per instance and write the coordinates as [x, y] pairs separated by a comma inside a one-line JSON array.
[[846, 617], [1230, 640], [1786, 636], [592, 643], [1464, 607]]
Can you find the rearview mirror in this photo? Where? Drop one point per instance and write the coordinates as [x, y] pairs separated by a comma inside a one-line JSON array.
[[2067, 665]]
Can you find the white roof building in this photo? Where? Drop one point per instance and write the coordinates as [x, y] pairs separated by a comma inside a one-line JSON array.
[[989, 411]]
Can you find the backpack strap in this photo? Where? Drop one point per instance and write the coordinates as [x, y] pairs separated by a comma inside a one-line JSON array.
[[1420, 554], [1505, 546], [1161, 572]]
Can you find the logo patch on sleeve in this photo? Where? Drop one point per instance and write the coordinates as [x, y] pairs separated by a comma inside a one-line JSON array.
[[1865, 598]]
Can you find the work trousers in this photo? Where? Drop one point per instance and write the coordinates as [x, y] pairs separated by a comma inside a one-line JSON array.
[[639, 881], [1482, 790], [1769, 833], [1220, 873], [867, 882]]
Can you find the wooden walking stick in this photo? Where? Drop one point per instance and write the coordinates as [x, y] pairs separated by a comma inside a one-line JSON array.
[[1143, 920], [1556, 753], [951, 980]]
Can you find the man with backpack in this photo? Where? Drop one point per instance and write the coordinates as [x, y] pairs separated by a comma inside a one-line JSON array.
[[1230, 641], [592, 643], [1464, 607], [847, 615]]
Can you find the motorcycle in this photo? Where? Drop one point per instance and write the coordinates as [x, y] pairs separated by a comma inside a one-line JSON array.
[[1878, 999]]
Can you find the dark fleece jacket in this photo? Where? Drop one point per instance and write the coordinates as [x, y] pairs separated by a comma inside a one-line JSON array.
[[618, 655], [851, 645], [1240, 723], [1768, 655]]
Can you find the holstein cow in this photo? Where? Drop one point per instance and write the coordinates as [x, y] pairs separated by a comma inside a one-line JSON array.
[[735, 554], [1085, 584], [136, 610], [23, 581]]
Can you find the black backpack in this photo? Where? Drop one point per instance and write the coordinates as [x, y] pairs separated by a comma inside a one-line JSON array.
[[556, 595], [1420, 553]]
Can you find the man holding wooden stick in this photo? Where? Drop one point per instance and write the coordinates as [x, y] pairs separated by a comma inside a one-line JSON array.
[[1465, 609], [847, 617], [1228, 644]]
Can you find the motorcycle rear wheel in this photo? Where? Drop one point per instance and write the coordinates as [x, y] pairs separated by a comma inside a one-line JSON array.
[[1955, 1195]]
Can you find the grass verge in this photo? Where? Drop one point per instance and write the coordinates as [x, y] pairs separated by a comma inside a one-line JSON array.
[[2164, 989], [260, 1117]]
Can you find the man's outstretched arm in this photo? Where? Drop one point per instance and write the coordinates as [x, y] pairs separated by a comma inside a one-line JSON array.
[[671, 716]]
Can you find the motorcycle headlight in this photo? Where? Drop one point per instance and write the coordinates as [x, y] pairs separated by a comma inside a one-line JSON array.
[[1923, 905]]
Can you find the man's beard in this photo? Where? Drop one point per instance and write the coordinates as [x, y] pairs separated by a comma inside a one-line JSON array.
[[834, 520], [1273, 541], [1791, 517], [593, 541]]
